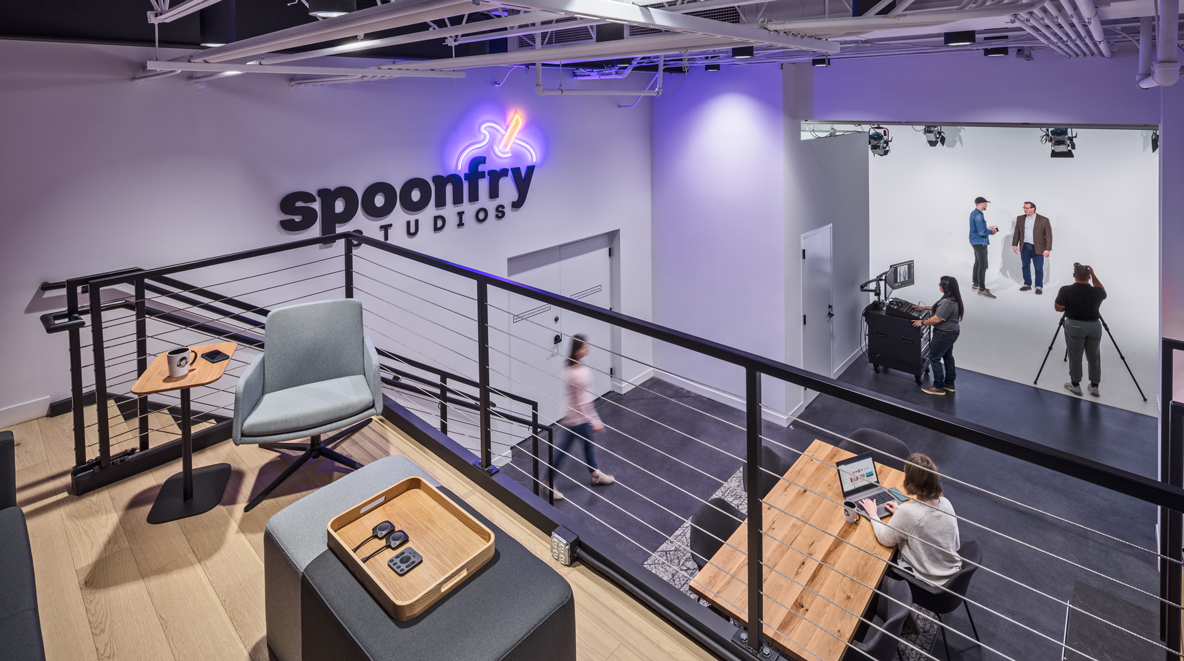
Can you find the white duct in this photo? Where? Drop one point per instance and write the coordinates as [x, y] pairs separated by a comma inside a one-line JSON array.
[[1089, 13], [1051, 16], [1082, 32], [860, 25], [1165, 70], [1146, 27], [1037, 22], [1025, 22]]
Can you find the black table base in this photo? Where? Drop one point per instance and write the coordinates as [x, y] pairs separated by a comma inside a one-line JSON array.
[[190, 492]]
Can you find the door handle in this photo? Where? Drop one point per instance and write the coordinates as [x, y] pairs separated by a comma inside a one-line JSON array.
[[830, 311]]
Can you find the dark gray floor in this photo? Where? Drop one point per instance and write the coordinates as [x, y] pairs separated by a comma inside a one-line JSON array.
[[659, 487]]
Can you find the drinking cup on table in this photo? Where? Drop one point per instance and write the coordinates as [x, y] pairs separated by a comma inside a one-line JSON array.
[[179, 360], [850, 515]]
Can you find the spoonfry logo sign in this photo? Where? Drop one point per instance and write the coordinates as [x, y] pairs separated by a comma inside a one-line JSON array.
[[333, 207]]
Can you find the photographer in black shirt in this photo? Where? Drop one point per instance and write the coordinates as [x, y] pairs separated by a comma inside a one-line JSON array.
[[1080, 302]]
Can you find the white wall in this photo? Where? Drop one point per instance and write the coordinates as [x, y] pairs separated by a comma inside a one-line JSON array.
[[1103, 209], [719, 221], [102, 173]]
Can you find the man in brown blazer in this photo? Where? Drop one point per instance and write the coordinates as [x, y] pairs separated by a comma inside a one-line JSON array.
[[1033, 241]]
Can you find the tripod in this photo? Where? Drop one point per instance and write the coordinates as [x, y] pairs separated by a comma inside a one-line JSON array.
[[1107, 328]]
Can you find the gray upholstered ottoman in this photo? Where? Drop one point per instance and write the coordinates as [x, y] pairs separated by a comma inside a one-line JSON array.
[[515, 607], [296, 535]]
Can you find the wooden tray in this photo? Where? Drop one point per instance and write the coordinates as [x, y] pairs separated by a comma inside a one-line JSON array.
[[453, 544]]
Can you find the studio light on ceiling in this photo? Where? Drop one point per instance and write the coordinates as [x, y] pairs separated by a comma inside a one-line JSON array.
[[820, 62], [711, 67], [964, 38], [331, 8], [743, 52], [995, 52], [877, 140], [216, 24], [1062, 141], [935, 136]]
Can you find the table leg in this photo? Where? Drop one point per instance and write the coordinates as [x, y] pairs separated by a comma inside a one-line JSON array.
[[186, 447], [190, 492]]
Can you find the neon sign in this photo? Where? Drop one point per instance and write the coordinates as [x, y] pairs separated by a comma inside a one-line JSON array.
[[503, 147]]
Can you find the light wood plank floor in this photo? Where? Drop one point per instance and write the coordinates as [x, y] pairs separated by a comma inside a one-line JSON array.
[[110, 586]]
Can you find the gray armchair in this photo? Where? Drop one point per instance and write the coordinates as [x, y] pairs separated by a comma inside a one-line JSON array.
[[318, 373]]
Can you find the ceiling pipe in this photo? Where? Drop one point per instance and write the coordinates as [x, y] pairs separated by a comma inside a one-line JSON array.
[[1042, 24], [181, 10], [1024, 21], [1089, 13], [1085, 37], [570, 25], [1165, 70], [424, 35], [1079, 42], [1048, 13], [859, 25], [1146, 27], [543, 91], [203, 67], [372, 19]]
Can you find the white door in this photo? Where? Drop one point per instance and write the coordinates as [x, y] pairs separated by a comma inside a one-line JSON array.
[[818, 336], [541, 333]]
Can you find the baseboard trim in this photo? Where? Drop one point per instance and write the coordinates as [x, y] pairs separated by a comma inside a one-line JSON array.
[[30, 410], [847, 363], [623, 386], [723, 398]]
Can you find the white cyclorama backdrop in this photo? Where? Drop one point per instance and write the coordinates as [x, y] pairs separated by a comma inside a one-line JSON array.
[[1103, 206], [107, 174]]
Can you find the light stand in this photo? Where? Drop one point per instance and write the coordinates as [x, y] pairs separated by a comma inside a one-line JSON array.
[[1107, 328]]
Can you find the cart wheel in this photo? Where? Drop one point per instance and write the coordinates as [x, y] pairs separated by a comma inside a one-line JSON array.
[[918, 378], [876, 369]]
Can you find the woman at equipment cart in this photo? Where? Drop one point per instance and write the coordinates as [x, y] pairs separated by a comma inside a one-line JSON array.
[[581, 419], [946, 317]]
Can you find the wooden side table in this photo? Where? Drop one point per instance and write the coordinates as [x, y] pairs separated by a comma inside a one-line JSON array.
[[190, 492]]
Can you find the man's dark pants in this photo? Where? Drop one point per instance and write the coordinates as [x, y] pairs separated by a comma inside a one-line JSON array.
[[979, 277]]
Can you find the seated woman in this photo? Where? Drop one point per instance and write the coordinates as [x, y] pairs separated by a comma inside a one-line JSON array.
[[924, 529]]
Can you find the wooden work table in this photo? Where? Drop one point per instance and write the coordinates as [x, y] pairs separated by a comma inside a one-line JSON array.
[[821, 570]]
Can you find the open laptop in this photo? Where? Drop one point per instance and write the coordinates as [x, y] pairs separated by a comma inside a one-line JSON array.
[[859, 480]]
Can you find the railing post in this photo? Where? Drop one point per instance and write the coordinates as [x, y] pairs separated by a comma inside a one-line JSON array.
[[534, 446], [443, 405], [756, 555], [141, 361], [349, 268], [550, 465], [96, 334], [483, 374], [1172, 532], [77, 396], [1169, 454]]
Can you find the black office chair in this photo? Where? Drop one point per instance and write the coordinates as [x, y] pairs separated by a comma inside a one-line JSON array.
[[885, 448], [773, 466], [943, 601], [711, 525], [888, 611]]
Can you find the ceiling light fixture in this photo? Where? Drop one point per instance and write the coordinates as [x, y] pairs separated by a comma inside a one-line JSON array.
[[711, 67], [216, 25], [331, 8], [877, 140], [743, 52], [935, 136], [821, 61], [995, 52], [1062, 141], [963, 38], [1154, 141]]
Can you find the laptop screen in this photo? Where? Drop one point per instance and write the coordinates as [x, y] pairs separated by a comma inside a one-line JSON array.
[[858, 473]]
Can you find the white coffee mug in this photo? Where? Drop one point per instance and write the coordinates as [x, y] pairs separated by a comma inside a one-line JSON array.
[[849, 514], [179, 360]]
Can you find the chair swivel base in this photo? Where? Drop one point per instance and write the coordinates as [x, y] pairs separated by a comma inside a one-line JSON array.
[[314, 450], [209, 482]]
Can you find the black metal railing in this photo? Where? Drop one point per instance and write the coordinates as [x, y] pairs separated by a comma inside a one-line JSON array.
[[1166, 493]]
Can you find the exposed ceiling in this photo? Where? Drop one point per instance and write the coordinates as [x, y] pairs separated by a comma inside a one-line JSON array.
[[595, 38]]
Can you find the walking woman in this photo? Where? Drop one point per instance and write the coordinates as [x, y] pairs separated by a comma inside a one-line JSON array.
[[581, 419], [946, 317]]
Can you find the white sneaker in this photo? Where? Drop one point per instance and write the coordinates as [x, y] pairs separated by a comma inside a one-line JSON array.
[[558, 496], [1076, 390], [1093, 390], [601, 479]]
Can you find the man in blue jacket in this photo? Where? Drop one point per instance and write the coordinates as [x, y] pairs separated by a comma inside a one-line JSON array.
[[980, 238]]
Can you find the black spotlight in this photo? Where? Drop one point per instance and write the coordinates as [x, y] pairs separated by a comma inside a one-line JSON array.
[[935, 136], [743, 52], [711, 67], [1154, 141], [331, 8], [1062, 142], [995, 52], [877, 140], [964, 38], [216, 24], [820, 62]]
